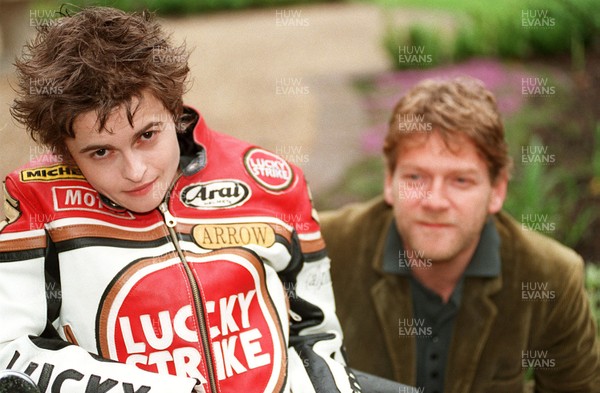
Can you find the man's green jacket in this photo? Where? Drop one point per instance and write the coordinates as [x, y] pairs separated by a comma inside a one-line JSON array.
[[499, 333]]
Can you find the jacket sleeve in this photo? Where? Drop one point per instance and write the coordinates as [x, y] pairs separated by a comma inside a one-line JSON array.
[[569, 344], [316, 355], [28, 342]]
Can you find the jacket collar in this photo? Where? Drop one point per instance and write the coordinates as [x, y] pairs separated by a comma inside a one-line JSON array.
[[484, 263], [193, 142]]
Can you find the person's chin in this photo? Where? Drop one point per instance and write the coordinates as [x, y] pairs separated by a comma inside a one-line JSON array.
[[140, 204]]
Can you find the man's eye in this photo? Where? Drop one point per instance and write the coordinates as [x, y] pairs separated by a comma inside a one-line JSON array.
[[463, 180], [412, 177]]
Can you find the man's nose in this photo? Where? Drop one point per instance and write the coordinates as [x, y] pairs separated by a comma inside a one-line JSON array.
[[436, 197]]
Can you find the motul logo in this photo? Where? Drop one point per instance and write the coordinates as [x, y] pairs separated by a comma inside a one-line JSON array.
[[218, 194], [79, 198]]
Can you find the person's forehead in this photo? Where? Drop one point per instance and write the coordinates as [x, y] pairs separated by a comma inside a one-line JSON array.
[[144, 108], [431, 150]]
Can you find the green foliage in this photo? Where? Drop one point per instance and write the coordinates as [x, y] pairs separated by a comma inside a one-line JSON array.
[[519, 30], [362, 181], [592, 286], [596, 152], [171, 7], [419, 47], [552, 195]]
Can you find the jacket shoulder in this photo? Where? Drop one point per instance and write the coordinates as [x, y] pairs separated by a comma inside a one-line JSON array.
[[356, 231], [536, 253], [354, 217], [44, 169], [267, 169]]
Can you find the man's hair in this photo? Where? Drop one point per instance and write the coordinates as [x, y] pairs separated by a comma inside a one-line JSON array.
[[96, 59], [452, 108]]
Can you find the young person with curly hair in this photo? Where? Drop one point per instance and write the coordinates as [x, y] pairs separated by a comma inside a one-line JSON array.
[[190, 259]]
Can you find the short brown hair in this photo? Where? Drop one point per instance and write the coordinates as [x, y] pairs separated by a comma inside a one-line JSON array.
[[453, 108], [96, 59]]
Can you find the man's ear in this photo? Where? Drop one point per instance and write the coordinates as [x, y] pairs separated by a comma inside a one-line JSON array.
[[499, 189], [388, 187]]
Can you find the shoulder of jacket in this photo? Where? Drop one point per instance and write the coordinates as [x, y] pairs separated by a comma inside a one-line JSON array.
[[367, 216], [534, 249], [45, 172]]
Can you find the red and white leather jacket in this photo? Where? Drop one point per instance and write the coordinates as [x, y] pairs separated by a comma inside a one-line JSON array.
[[224, 288]]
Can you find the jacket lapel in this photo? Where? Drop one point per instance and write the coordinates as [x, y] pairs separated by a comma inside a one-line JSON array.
[[471, 331], [392, 299]]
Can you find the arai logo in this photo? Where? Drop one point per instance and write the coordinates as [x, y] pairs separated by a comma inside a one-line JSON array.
[[216, 194]]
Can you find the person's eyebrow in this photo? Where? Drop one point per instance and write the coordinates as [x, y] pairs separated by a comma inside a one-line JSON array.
[[467, 170], [133, 138]]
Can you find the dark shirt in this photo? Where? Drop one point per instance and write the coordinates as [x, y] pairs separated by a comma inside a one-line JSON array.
[[432, 321]]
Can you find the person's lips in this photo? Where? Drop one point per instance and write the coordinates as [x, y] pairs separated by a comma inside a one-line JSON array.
[[434, 225], [142, 189]]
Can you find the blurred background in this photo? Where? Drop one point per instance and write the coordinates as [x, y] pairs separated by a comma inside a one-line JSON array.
[[315, 81]]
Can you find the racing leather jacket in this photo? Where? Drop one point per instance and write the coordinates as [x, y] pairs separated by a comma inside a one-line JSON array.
[[223, 288]]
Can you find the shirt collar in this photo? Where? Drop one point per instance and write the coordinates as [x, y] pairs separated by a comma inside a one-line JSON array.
[[485, 262]]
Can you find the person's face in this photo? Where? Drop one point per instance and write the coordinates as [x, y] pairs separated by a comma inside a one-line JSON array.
[[133, 166], [441, 198]]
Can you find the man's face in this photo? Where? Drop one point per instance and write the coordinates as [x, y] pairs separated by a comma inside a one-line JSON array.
[[441, 197], [133, 166]]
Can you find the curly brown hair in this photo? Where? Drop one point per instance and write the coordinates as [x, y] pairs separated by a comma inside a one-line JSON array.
[[95, 59], [461, 106]]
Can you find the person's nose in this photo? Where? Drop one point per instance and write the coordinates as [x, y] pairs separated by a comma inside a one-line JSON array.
[[134, 166], [436, 197]]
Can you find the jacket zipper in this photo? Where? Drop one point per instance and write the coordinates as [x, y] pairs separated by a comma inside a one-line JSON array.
[[170, 221]]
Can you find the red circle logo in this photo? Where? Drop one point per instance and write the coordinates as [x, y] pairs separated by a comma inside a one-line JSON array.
[[268, 169]]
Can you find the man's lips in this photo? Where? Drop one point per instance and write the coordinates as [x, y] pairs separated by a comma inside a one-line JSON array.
[[434, 224]]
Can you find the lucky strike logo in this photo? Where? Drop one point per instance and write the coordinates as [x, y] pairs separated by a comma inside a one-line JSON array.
[[268, 169], [148, 320]]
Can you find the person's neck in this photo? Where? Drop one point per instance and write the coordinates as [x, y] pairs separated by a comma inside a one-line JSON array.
[[441, 277]]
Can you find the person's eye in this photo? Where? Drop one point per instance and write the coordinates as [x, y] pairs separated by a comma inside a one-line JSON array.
[[146, 136], [100, 153], [412, 177], [463, 181]]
